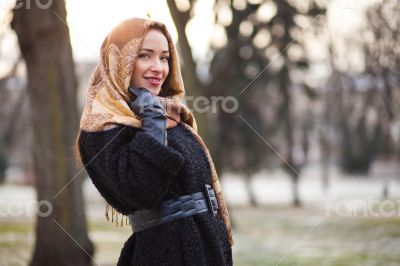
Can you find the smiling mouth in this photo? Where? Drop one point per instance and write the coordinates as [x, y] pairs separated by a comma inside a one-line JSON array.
[[155, 82], [153, 79]]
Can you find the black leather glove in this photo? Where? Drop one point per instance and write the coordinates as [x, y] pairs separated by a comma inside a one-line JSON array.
[[150, 109]]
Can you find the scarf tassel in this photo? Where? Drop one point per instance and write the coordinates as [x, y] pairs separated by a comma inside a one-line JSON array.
[[115, 216]]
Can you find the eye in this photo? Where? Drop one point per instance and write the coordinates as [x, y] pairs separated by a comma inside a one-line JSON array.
[[166, 58], [144, 56]]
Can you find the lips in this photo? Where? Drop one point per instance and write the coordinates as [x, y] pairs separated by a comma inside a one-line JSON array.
[[153, 80]]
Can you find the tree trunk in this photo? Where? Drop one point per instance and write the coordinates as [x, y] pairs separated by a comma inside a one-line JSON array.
[[61, 236], [250, 191], [325, 152], [295, 190], [290, 165]]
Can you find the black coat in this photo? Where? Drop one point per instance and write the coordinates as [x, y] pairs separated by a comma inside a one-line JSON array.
[[133, 171]]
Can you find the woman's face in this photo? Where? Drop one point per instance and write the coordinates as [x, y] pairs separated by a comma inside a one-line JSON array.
[[151, 66]]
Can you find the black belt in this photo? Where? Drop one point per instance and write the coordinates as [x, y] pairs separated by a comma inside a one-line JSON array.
[[174, 209]]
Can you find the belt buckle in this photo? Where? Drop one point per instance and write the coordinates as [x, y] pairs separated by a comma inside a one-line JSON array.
[[208, 196]]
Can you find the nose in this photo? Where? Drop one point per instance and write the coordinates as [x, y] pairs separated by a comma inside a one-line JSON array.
[[156, 65]]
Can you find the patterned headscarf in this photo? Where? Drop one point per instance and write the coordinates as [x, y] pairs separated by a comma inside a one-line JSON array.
[[108, 97]]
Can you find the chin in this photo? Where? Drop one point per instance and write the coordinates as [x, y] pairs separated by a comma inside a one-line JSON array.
[[155, 91]]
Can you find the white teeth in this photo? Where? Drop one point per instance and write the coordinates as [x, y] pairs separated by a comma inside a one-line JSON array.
[[151, 79]]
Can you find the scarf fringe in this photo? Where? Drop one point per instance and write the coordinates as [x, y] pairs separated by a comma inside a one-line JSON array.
[[115, 217]]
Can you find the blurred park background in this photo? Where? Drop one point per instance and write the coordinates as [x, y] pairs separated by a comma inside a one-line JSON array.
[[309, 159]]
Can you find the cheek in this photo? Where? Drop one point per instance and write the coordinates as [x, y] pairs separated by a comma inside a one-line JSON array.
[[138, 66], [137, 70], [166, 70]]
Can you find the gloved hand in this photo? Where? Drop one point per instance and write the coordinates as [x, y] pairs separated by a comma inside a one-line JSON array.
[[150, 109]]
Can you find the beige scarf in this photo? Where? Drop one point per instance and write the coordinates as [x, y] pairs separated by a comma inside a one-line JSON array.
[[107, 95]]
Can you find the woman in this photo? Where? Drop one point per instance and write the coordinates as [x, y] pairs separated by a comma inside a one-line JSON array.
[[139, 145]]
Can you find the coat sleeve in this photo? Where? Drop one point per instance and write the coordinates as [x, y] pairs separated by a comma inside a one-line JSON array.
[[134, 168]]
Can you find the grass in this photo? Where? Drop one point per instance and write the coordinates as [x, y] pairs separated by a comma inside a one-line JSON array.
[[265, 236], [279, 237]]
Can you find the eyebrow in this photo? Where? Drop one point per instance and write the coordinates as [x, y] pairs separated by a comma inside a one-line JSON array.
[[149, 50]]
